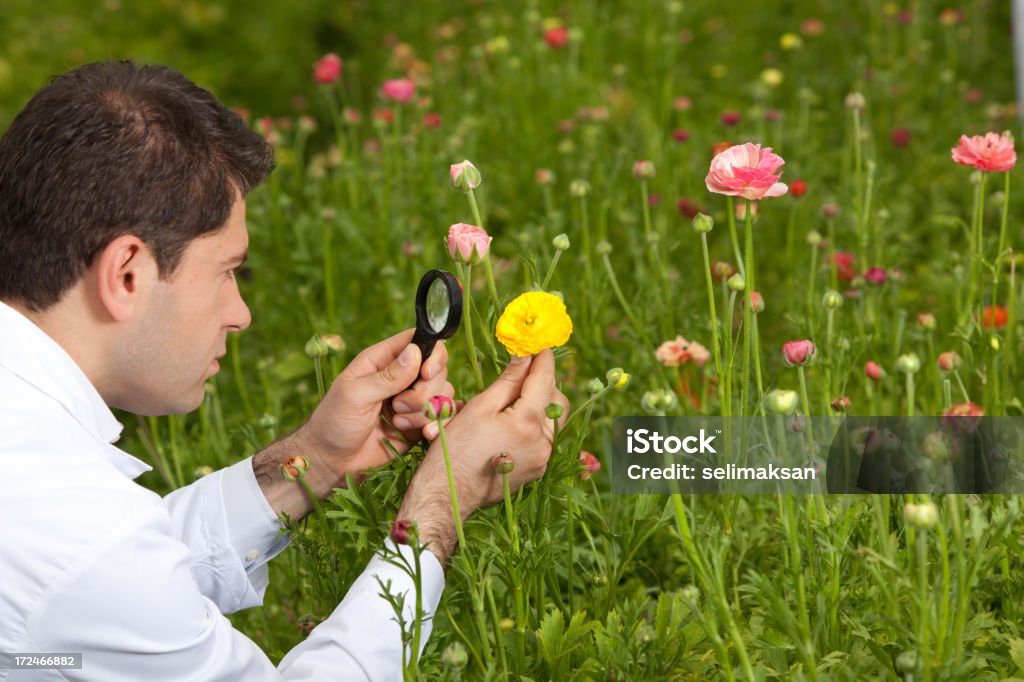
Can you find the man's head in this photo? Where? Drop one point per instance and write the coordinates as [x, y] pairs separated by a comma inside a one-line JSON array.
[[121, 217]]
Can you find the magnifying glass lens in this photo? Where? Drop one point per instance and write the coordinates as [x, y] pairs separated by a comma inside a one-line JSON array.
[[437, 305]]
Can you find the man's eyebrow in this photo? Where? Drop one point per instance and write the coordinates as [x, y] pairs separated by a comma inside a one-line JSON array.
[[238, 260]]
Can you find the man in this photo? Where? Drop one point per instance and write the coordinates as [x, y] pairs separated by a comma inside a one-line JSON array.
[[122, 221]]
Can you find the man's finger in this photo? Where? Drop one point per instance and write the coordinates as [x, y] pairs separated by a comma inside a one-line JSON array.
[[540, 381], [437, 361], [506, 388], [390, 380], [379, 355]]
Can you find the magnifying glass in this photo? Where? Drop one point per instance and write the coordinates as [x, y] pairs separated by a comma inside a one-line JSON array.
[[438, 310]]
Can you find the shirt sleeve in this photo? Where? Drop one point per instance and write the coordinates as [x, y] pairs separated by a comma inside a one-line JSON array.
[[227, 523], [136, 613]]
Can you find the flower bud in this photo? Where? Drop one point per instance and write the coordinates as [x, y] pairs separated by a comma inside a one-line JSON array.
[[617, 378], [455, 656], [658, 400], [936, 446], [798, 352], [603, 248], [874, 371], [908, 363], [506, 624], [949, 361], [595, 386], [814, 238], [579, 188], [702, 222], [294, 468], [841, 404], [923, 515], [544, 176], [926, 321], [691, 593], [781, 401], [503, 463], [402, 530], [316, 347], [561, 242], [643, 170], [554, 411], [736, 282], [334, 342], [720, 270], [464, 176], [756, 302], [832, 299], [854, 100], [438, 407], [906, 662], [327, 69]]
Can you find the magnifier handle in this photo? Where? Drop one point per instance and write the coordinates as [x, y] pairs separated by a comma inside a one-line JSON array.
[[426, 344]]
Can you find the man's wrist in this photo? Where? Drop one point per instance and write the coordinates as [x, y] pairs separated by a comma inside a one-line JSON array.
[[289, 497], [428, 505]]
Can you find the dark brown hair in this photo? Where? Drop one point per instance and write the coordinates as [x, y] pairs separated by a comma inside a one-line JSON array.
[[116, 148]]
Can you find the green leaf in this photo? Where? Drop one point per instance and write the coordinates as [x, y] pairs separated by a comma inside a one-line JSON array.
[[1017, 652]]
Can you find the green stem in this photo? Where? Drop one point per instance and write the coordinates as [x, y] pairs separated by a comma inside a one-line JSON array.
[[910, 394], [487, 261], [731, 215], [715, 342], [551, 269], [807, 406], [467, 311]]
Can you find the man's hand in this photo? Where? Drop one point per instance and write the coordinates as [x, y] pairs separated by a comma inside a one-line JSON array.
[[506, 417], [346, 432]]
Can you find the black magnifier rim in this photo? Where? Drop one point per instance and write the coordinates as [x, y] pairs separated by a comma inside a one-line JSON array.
[[451, 325]]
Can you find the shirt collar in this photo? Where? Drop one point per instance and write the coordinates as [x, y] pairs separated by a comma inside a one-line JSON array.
[[29, 353]]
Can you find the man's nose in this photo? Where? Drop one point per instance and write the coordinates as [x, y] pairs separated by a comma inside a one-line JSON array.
[[239, 317]]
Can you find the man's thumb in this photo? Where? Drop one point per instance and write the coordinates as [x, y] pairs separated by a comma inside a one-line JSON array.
[[397, 376]]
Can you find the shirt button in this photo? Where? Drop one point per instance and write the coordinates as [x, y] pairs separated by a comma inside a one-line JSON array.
[[251, 555]]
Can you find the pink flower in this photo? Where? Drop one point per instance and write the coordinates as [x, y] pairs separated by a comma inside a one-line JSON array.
[[875, 275], [873, 371], [679, 351], [797, 352], [962, 417], [680, 135], [400, 531], [438, 407], [431, 119], [990, 152], [468, 243], [682, 104], [746, 171], [591, 464], [949, 361], [643, 170], [399, 90], [327, 69]]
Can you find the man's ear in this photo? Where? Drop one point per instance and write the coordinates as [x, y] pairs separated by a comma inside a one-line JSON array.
[[124, 271]]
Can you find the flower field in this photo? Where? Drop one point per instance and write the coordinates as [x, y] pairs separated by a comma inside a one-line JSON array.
[[708, 209]]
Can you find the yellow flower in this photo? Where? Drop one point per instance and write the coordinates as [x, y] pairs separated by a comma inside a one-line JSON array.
[[532, 322]]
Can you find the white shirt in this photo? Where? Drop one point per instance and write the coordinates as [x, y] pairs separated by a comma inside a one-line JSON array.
[[93, 563]]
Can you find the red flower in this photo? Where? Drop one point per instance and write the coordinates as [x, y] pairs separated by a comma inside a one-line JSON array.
[[797, 188], [384, 114], [873, 371], [327, 69], [721, 271], [556, 37], [993, 316], [431, 120], [590, 464], [900, 137], [680, 135], [730, 118], [845, 263], [797, 352], [689, 208]]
